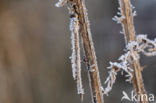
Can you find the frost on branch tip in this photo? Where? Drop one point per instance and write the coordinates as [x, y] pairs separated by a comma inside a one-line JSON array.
[[118, 19], [61, 3], [111, 78], [123, 66], [79, 24], [115, 67]]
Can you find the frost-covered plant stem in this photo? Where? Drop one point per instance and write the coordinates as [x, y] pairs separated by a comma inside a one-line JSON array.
[[91, 63], [76, 58], [129, 32], [78, 11]]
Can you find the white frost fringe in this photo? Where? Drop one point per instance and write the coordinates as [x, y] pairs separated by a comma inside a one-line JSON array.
[[75, 58], [146, 46], [141, 44], [61, 3]]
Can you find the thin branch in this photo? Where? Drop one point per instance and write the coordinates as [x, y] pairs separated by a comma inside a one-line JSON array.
[[95, 83], [75, 58], [129, 31], [77, 10], [141, 45]]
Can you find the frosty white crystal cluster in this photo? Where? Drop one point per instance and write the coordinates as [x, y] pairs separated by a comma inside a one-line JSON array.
[[61, 3], [141, 44], [146, 46]]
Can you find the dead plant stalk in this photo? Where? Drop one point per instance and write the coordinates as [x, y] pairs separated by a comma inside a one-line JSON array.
[[80, 23], [129, 32]]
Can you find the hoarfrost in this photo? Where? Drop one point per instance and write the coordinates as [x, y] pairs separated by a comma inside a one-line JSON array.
[[61, 3], [141, 44], [133, 48], [134, 13], [111, 78], [75, 58], [118, 19], [146, 46]]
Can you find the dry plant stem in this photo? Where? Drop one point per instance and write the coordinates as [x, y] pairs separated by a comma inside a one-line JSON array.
[[80, 25], [129, 32], [77, 58], [79, 81], [91, 63], [90, 57]]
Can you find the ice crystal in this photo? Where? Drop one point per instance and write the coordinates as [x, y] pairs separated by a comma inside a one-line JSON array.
[[118, 19], [134, 13], [112, 77], [75, 56], [146, 46], [61, 3]]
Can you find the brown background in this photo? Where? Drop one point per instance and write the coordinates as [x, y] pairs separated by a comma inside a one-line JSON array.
[[35, 49]]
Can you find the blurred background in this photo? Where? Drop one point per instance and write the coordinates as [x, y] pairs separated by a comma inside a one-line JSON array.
[[35, 49]]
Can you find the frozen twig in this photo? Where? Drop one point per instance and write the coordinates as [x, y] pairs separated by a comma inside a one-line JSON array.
[[129, 32], [75, 58], [80, 25], [129, 62], [141, 45], [111, 78]]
